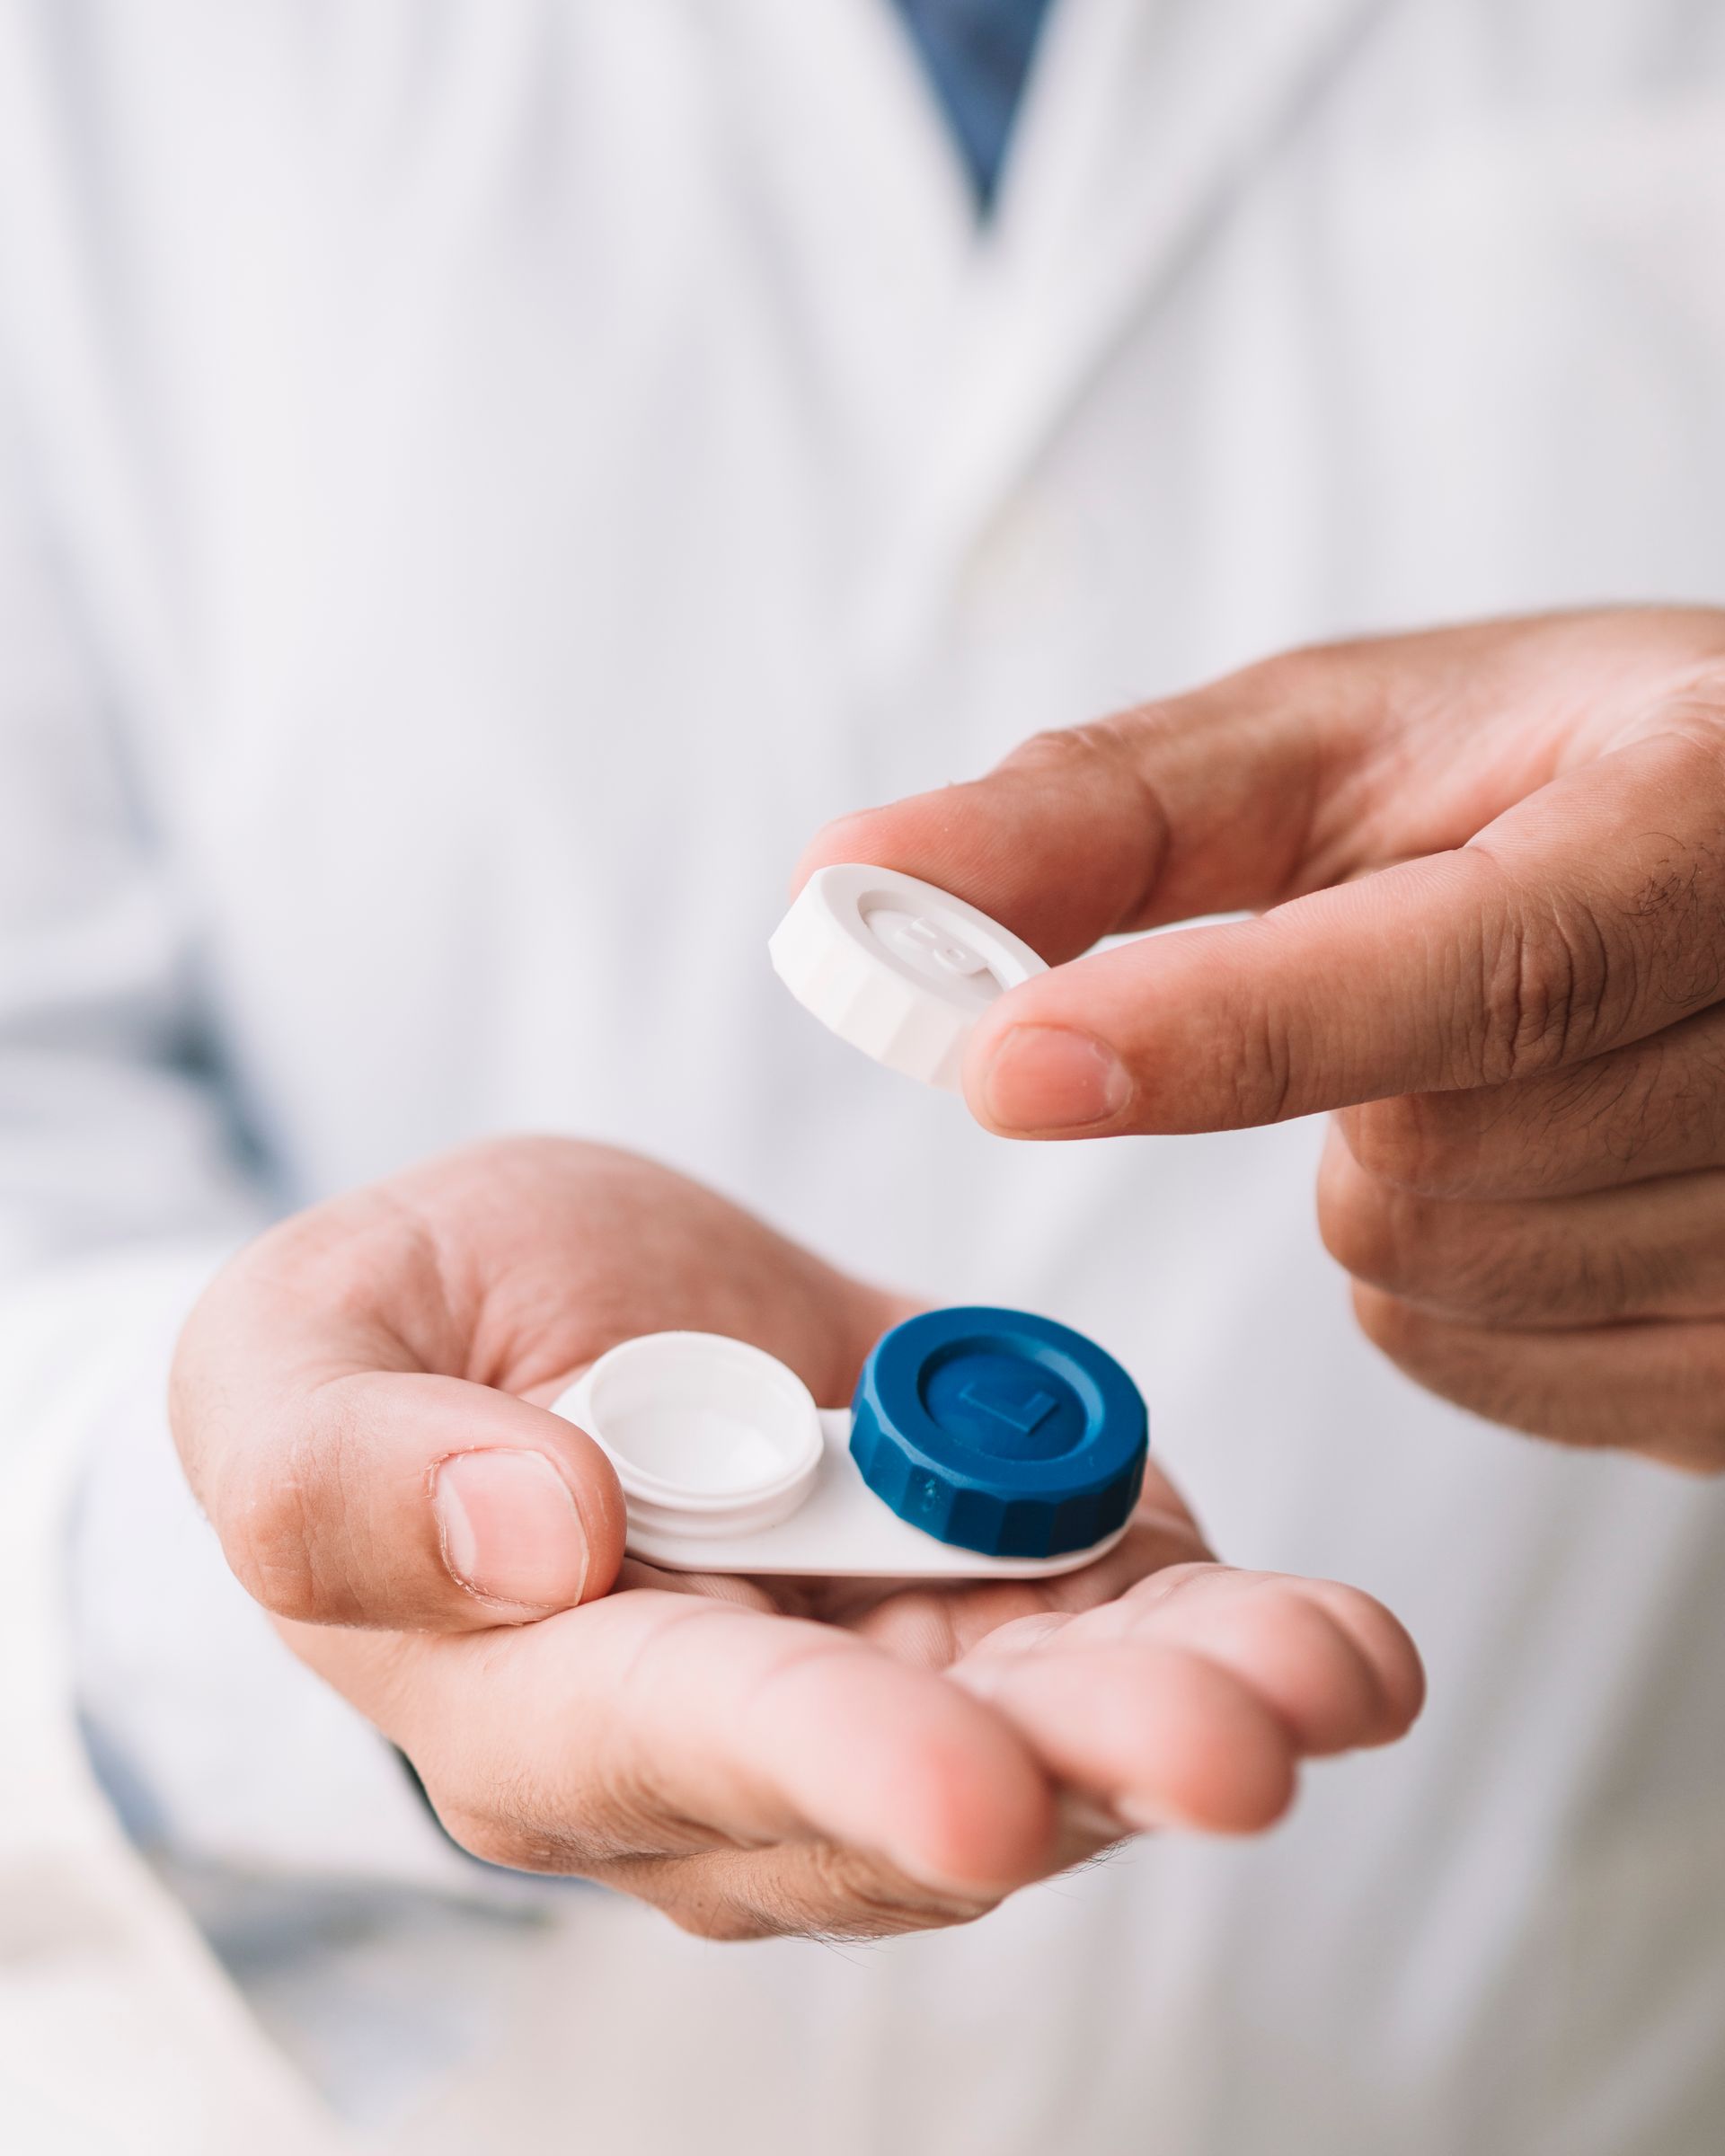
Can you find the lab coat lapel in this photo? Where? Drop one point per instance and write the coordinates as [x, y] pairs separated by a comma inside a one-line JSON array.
[[862, 212], [1142, 118]]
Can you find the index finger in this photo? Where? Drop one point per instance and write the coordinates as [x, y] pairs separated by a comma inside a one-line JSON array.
[[1291, 775]]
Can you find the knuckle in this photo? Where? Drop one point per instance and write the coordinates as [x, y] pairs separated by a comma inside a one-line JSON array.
[[1108, 760], [505, 1822], [264, 1535], [1549, 978], [1677, 908], [1362, 1222], [483, 1835], [1259, 1072], [506, 1842], [1690, 1434], [1669, 1098], [1100, 746], [295, 1516], [634, 1813], [1429, 1144], [718, 1919], [1620, 1107], [1393, 1327], [301, 1532], [287, 1590], [1562, 973], [1459, 1257], [859, 1897]]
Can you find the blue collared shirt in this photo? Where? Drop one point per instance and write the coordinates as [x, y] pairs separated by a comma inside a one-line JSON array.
[[978, 54]]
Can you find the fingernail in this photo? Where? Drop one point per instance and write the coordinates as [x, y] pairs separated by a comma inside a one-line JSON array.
[[509, 1529], [1048, 1078]]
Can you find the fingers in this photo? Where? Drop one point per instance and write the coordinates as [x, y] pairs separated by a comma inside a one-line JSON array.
[[1194, 805], [1191, 1700], [1283, 778], [1155, 1736], [1654, 1249], [1333, 1664], [1653, 1389], [657, 1726], [1593, 1316], [1654, 1108], [349, 1485], [1560, 780], [752, 1773], [935, 1624], [1579, 921]]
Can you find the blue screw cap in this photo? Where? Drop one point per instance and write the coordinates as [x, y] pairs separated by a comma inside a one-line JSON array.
[[998, 1431]]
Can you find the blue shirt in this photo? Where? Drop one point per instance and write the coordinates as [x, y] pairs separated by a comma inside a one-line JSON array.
[[977, 53]]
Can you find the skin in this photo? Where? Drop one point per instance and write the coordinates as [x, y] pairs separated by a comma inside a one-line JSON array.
[[1487, 871], [360, 1403]]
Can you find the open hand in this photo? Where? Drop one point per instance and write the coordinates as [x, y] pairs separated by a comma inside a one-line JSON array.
[[360, 1400]]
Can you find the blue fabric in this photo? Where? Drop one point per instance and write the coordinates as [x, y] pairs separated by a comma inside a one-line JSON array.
[[978, 54]]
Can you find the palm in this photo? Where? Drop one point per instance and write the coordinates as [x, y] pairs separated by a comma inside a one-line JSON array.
[[778, 1754], [937, 1623]]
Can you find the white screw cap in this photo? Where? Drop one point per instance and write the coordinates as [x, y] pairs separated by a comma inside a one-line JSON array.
[[898, 967]]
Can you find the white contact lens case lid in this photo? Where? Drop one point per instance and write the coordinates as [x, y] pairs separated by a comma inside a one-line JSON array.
[[727, 1465], [900, 968]]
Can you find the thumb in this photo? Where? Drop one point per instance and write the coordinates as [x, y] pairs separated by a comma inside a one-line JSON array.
[[390, 1498]]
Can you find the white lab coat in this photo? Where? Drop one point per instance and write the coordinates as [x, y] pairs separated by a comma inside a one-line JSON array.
[[481, 483]]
